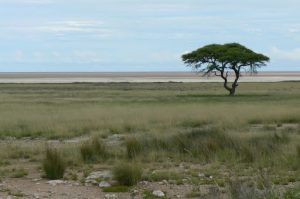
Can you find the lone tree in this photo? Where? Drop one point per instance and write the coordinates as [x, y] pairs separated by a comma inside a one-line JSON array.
[[220, 60]]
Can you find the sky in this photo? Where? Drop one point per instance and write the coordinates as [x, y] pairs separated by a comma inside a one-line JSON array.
[[141, 35]]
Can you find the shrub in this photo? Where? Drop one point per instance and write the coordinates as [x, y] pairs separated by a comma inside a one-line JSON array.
[[53, 164], [93, 150], [127, 174], [133, 147]]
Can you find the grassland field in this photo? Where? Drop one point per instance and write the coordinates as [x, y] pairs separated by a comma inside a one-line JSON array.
[[188, 135]]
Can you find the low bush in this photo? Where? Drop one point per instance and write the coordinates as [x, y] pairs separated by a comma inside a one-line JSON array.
[[127, 174], [53, 164]]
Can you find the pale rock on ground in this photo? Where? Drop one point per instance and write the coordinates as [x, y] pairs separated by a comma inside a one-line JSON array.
[[158, 193]]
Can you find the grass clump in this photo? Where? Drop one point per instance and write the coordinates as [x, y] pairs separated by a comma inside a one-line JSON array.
[[133, 147], [53, 164], [93, 150], [127, 174]]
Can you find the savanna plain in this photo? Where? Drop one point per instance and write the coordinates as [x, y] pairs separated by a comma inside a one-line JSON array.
[[149, 140]]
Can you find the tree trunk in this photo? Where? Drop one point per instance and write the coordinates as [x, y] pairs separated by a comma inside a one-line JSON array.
[[235, 83], [232, 91]]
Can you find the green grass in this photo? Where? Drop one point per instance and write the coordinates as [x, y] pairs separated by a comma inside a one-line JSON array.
[[127, 174], [53, 164]]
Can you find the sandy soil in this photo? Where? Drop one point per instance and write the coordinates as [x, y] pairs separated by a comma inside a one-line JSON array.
[[139, 77]]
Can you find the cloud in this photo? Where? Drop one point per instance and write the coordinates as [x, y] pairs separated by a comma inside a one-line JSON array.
[[84, 26], [291, 55], [294, 30], [60, 28], [27, 2]]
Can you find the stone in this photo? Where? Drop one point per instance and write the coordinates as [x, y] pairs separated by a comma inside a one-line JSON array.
[[104, 184], [56, 182], [110, 196], [99, 175], [158, 193]]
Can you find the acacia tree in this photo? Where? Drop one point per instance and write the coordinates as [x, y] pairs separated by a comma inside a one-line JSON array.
[[222, 60]]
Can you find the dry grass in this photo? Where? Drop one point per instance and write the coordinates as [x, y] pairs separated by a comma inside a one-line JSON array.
[[162, 124], [60, 111]]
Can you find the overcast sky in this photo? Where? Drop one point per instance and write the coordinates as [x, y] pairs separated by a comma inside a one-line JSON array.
[[141, 35]]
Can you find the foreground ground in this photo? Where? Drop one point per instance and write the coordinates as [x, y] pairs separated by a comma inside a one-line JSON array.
[[188, 139]]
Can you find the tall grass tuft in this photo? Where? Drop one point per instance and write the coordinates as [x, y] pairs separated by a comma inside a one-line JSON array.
[[133, 147], [53, 164], [93, 150], [127, 174]]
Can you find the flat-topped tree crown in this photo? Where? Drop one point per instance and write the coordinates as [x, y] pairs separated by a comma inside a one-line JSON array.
[[220, 59]]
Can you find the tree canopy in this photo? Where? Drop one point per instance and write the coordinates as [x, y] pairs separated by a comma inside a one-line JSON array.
[[219, 60]]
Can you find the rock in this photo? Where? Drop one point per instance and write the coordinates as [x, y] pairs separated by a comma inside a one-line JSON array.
[[158, 193], [98, 175], [201, 175], [35, 195], [114, 139], [56, 182], [90, 181], [164, 182], [36, 179], [110, 196], [104, 184]]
